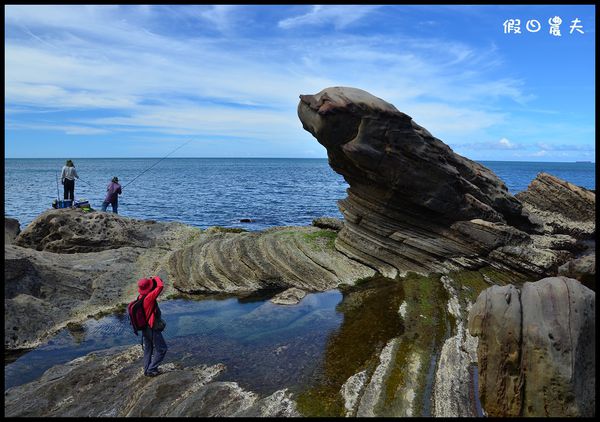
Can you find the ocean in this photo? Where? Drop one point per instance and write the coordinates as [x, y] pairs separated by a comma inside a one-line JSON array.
[[206, 192]]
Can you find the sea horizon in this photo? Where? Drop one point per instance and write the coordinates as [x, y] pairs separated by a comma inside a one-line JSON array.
[[265, 158]]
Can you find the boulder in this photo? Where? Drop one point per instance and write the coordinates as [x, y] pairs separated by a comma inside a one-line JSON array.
[[536, 349], [12, 228], [582, 269], [290, 296], [562, 206], [330, 223]]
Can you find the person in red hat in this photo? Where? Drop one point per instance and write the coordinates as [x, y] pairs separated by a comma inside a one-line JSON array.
[[155, 346]]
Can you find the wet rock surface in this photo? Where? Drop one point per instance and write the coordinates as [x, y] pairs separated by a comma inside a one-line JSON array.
[[111, 383], [536, 348]]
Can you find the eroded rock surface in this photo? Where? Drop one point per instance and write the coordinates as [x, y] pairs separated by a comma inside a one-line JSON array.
[[74, 231], [111, 383], [536, 348], [562, 206], [413, 204], [281, 257]]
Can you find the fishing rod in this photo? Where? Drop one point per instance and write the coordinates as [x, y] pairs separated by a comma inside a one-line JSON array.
[[157, 162]]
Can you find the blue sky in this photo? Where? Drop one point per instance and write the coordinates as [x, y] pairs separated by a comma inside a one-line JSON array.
[[138, 81]]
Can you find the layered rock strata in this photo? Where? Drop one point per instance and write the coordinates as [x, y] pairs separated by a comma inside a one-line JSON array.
[[563, 207], [413, 204], [281, 257], [536, 348], [67, 265]]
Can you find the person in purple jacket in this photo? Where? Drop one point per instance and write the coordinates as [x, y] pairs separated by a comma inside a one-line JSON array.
[[112, 195]]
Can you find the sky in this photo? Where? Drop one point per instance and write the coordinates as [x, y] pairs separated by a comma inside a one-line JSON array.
[[139, 81]]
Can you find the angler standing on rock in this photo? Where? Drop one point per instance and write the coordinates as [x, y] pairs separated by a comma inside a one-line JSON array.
[[113, 190], [154, 344], [67, 178]]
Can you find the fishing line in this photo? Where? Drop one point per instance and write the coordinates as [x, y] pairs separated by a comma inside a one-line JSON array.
[[157, 163]]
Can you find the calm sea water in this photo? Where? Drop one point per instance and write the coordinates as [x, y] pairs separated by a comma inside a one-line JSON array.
[[207, 192]]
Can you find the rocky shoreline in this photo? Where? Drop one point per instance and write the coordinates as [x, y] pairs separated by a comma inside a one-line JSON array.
[[442, 228]]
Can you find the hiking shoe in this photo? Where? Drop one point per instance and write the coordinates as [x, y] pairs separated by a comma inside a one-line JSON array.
[[151, 373]]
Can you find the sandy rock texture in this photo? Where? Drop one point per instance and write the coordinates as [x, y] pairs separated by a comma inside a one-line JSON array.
[[536, 348]]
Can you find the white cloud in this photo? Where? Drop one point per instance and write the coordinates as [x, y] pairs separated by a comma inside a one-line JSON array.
[[220, 15], [506, 143], [338, 16], [145, 80]]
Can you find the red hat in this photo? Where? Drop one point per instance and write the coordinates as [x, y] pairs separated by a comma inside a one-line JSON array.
[[144, 285]]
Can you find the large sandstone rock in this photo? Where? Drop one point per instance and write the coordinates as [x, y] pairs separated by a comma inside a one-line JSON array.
[[562, 206], [413, 204], [12, 228], [111, 384], [536, 348]]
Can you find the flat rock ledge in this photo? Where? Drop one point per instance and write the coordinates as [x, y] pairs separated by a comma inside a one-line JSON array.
[[536, 349], [111, 384]]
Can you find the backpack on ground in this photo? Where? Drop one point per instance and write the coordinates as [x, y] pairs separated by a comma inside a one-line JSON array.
[[137, 315]]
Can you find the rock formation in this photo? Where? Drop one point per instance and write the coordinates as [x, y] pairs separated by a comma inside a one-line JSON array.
[[12, 228], [536, 348], [562, 206], [280, 257], [111, 383], [413, 204], [74, 231]]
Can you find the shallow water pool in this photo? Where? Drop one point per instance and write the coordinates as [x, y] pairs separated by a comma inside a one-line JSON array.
[[264, 346]]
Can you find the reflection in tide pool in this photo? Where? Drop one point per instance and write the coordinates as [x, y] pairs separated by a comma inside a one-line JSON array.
[[264, 346]]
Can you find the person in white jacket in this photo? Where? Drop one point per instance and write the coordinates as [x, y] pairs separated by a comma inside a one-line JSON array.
[[67, 178]]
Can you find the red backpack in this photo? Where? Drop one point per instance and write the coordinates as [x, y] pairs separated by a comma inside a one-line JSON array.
[[137, 316]]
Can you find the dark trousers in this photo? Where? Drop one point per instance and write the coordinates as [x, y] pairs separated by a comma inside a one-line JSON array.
[[70, 189], [155, 349], [114, 205]]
